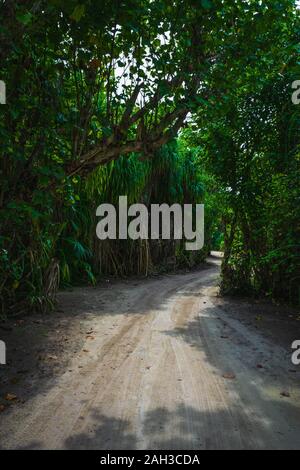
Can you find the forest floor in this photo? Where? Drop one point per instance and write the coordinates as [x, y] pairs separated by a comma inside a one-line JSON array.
[[161, 363]]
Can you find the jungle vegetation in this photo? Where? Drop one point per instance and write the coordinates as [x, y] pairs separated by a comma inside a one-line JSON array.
[[184, 101]]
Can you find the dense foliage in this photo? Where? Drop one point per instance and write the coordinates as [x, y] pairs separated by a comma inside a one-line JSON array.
[[251, 146], [97, 93]]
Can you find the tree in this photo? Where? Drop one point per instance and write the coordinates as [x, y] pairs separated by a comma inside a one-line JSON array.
[[88, 82]]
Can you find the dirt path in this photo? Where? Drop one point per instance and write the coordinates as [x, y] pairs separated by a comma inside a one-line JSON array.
[[150, 375]]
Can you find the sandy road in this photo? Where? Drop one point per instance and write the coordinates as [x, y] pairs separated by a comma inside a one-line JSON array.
[[151, 376]]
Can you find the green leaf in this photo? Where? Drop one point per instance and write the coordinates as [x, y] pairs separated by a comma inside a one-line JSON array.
[[207, 4], [78, 13], [24, 18]]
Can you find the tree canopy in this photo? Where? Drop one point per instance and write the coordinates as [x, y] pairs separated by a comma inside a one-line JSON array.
[[109, 96]]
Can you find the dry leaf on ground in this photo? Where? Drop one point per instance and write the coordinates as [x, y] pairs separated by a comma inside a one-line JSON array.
[[229, 376], [10, 397]]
